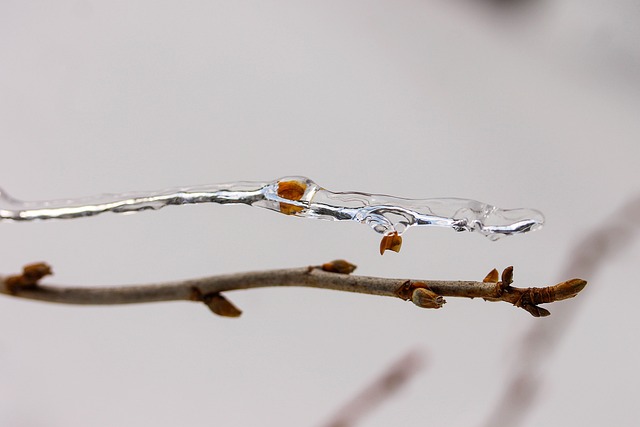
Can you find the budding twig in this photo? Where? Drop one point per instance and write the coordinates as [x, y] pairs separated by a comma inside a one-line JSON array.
[[333, 275]]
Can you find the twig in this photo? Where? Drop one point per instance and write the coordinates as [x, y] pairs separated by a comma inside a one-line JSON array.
[[333, 275], [380, 390]]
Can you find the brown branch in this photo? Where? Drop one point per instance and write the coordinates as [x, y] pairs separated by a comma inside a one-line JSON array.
[[333, 275]]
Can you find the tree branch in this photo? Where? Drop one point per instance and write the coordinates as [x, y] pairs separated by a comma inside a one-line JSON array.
[[333, 275]]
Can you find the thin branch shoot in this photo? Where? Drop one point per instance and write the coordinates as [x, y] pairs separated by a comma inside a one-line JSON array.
[[334, 275]]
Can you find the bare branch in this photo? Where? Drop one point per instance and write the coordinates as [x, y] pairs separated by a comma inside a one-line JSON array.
[[333, 275]]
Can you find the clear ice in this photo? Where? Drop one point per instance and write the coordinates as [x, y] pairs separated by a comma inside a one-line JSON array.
[[301, 197]]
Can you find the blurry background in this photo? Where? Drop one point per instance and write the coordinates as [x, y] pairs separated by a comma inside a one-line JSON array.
[[516, 103]]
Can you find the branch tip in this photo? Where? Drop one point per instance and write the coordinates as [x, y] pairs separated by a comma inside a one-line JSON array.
[[569, 289], [529, 299]]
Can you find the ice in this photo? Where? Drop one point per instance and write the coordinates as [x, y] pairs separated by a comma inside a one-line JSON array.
[[297, 196]]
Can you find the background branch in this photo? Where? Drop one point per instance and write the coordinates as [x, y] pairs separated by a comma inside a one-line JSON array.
[[385, 386], [602, 243]]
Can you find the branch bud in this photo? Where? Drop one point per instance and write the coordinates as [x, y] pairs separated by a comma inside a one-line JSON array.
[[391, 242], [426, 298]]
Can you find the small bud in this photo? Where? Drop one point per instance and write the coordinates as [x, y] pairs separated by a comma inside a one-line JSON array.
[[34, 272], [392, 242], [338, 266], [507, 276], [29, 278], [492, 277], [426, 298], [536, 311], [221, 306], [291, 190]]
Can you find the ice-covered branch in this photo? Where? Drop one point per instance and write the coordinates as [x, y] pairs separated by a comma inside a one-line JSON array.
[[333, 275], [300, 196]]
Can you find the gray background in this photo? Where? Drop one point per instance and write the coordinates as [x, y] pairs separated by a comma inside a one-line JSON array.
[[533, 105]]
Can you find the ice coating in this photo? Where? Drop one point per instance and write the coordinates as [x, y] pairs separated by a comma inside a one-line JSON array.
[[298, 196]]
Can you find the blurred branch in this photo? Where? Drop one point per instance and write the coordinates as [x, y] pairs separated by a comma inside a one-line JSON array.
[[394, 378], [591, 253], [333, 275]]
